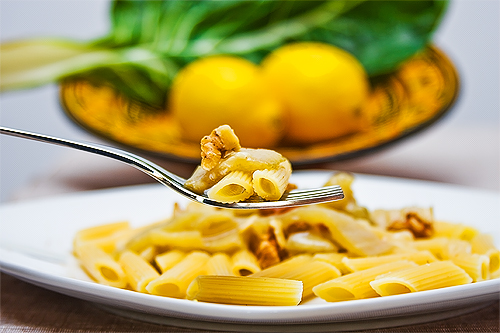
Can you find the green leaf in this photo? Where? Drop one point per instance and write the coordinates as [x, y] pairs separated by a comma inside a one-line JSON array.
[[34, 62], [382, 34], [151, 40]]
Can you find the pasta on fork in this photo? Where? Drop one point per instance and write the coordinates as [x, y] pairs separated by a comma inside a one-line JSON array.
[[231, 173]]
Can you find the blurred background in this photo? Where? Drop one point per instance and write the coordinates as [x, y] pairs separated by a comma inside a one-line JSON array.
[[462, 148]]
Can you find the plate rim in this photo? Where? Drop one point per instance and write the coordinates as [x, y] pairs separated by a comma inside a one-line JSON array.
[[223, 313]]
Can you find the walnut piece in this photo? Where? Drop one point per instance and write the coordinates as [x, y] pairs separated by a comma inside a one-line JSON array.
[[217, 145], [417, 220], [266, 249], [298, 226]]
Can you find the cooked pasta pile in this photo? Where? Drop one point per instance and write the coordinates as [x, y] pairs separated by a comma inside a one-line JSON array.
[[337, 251], [231, 173]]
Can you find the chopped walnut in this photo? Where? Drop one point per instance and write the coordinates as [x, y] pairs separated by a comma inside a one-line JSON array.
[[299, 226], [217, 145], [267, 254], [417, 220], [266, 249]]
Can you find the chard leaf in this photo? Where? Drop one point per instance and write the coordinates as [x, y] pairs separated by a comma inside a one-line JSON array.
[[33, 62], [151, 40], [382, 34]]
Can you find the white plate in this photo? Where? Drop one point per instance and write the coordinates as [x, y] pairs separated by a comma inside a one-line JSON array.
[[36, 236]]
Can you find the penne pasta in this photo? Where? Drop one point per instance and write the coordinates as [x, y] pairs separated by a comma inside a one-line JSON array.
[[494, 256], [359, 264], [483, 244], [219, 264], [270, 184], [101, 266], [357, 285], [149, 253], [101, 231], [185, 240], [437, 246], [136, 240], [304, 269], [454, 230], [244, 263], [186, 220], [476, 265], [245, 290], [334, 259], [168, 259], [456, 247], [175, 281], [215, 223], [444, 248], [138, 243], [104, 236], [313, 274], [435, 275], [283, 267], [139, 272], [233, 187]]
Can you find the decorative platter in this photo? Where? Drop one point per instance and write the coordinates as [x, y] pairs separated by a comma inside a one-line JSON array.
[[36, 242], [401, 104]]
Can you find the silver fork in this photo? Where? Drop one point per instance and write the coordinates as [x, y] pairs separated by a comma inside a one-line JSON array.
[[289, 199]]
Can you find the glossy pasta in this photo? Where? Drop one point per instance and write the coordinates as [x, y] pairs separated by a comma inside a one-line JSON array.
[[336, 252], [244, 290], [435, 275], [101, 266], [175, 281], [139, 272], [231, 173], [357, 285]]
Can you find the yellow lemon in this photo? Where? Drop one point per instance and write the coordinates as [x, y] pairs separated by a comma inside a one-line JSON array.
[[322, 88], [220, 90]]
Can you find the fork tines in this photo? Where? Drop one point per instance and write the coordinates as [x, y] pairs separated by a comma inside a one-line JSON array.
[[333, 191]]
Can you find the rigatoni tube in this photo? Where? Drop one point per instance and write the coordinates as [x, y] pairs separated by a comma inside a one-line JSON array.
[[244, 263], [311, 274], [484, 244], [435, 275], [270, 184], [245, 290], [139, 271], [235, 186], [101, 266], [219, 264], [356, 285], [169, 259], [359, 264], [476, 265], [174, 282]]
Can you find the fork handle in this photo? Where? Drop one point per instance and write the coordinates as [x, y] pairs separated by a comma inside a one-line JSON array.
[[138, 162]]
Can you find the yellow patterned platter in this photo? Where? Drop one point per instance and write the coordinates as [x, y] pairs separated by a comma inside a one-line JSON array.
[[412, 98]]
